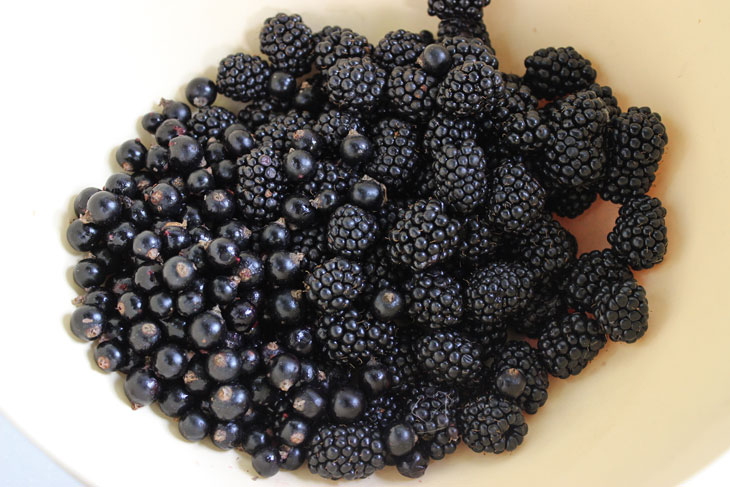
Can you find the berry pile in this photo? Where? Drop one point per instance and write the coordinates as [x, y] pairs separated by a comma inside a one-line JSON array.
[[362, 266]]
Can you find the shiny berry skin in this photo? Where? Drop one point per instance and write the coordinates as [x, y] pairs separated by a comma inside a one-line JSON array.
[[83, 237], [168, 130], [169, 362], [110, 355], [164, 200], [282, 85], [241, 315], [414, 464], [174, 400], [185, 154], [224, 365], [400, 439], [226, 436], [161, 305], [178, 273], [151, 121], [189, 303], [286, 306], [266, 461], [89, 273], [367, 194], [254, 439], [82, 198], [388, 304], [435, 60], [235, 231], [284, 371], [250, 269], [356, 149], [87, 322], [131, 155], [131, 306], [218, 205], [298, 212], [275, 236], [104, 208], [222, 253], [121, 184], [201, 92], [206, 330], [102, 299], [347, 405], [294, 432], [147, 245], [176, 110], [283, 267], [309, 141], [141, 387], [229, 401], [309, 403], [119, 239], [300, 166], [194, 425], [143, 336], [300, 341], [375, 379]]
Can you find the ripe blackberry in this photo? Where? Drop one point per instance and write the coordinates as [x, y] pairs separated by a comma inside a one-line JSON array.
[[396, 153], [260, 186], [424, 236], [464, 28], [411, 92], [398, 48], [606, 94], [517, 362], [331, 176], [288, 43], [499, 291], [518, 100], [589, 274], [432, 414], [636, 141], [491, 424], [379, 272], [354, 337], [571, 202], [552, 73], [468, 48], [516, 199], [434, 299], [460, 173], [260, 111], [242, 77], [334, 125], [448, 9], [478, 240], [335, 284], [569, 343], [383, 411], [349, 452], [639, 236], [450, 357], [623, 311], [312, 244], [340, 44], [279, 131], [525, 132], [210, 123], [471, 88], [445, 129], [351, 231], [355, 83], [549, 249], [547, 305]]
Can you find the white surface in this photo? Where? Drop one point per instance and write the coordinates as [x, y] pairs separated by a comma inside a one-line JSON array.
[[81, 74]]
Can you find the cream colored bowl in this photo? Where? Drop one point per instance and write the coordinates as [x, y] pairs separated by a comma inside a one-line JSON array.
[[647, 414]]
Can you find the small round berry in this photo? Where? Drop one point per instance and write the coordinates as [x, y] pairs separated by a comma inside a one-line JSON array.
[[194, 425], [143, 336], [206, 330], [224, 365], [413, 465], [300, 166], [131, 155], [511, 382], [87, 322], [168, 130], [222, 253], [201, 92], [400, 439], [309, 141], [309, 403], [230, 401], [368, 194], [284, 371], [82, 198], [435, 60], [250, 270], [375, 379], [356, 149], [104, 208], [298, 212], [110, 355], [239, 142], [266, 461], [130, 306], [169, 362], [282, 85], [185, 154], [347, 405], [151, 121], [178, 273], [89, 273], [388, 304], [83, 237], [275, 236], [141, 387], [178, 110]]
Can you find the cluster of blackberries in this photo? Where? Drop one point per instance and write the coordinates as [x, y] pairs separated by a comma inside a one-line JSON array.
[[362, 266]]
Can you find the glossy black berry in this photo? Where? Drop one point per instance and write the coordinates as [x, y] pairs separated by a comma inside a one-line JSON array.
[[347, 405], [87, 322], [131, 155], [435, 60], [206, 330], [201, 92], [141, 387]]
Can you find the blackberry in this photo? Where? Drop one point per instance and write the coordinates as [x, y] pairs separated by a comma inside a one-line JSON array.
[[335, 284], [606, 94], [498, 291], [460, 173], [519, 359], [396, 154], [623, 311], [351, 231], [568, 344], [340, 44], [636, 141], [383, 412], [353, 337], [398, 48], [491, 424], [450, 357], [279, 131], [334, 125], [468, 48], [552, 73], [639, 237], [349, 452], [548, 304], [489, 335], [447, 9], [471, 88], [289, 44], [402, 363], [355, 83], [518, 100], [424, 236], [242, 77], [260, 186], [210, 123], [478, 240], [571, 202], [548, 248], [525, 132], [434, 299], [331, 176], [589, 274], [312, 244], [260, 112], [516, 199], [445, 129], [378, 270], [432, 414], [464, 28], [411, 92]]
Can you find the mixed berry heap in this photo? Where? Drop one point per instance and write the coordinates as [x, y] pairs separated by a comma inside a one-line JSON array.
[[360, 265]]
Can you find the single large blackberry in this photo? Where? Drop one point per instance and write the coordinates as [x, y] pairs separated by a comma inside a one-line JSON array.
[[448, 9], [261, 184], [289, 44], [471, 88], [312, 243], [446, 129], [519, 375], [478, 240], [461, 178], [383, 411], [499, 291], [623, 311], [636, 141], [492, 424], [548, 304], [355, 83], [242, 77], [568, 344], [331, 176], [424, 236], [335, 284], [571, 202], [468, 28], [411, 92], [639, 236], [280, 129], [525, 131], [334, 125], [516, 198], [549, 248], [464, 49], [434, 299], [260, 112], [398, 48], [589, 275], [349, 452], [396, 153], [552, 73], [450, 357], [431, 411], [351, 231], [210, 123], [340, 44], [354, 337]]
